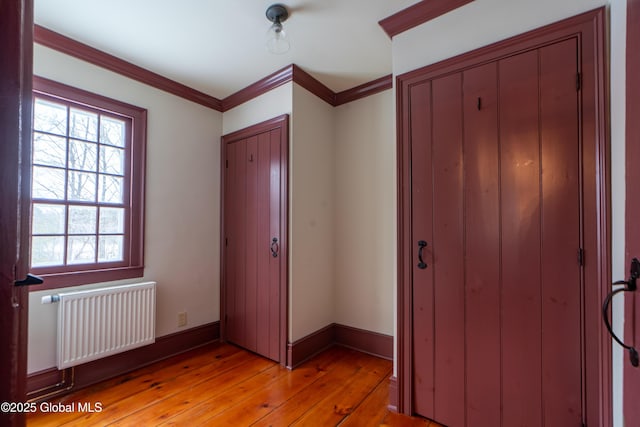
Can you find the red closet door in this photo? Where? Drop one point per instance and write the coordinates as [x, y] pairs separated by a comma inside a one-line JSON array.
[[497, 328], [252, 215]]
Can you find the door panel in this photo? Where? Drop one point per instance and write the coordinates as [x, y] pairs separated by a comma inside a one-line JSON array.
[[253, 244], [495, 172], [421, 210], [448, 248], [520, 238], [561, 235], [275, 170], [482, 242]]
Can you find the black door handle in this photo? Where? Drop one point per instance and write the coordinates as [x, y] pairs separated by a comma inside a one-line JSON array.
[[29, 280], [629, 286], [275, 248], [421, 245]]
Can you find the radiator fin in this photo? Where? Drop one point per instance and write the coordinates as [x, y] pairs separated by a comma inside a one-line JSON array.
[[96, 323]]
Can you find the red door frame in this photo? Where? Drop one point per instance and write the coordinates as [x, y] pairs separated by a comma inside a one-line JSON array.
[[632, 225], [281, 123], [588, 28], [16, 33]]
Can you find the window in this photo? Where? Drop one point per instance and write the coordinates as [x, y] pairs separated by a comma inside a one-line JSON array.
[[87, 186]]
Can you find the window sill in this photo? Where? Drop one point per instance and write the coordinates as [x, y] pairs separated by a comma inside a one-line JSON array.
[[63, 280]]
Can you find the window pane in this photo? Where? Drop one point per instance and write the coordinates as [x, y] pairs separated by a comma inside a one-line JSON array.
[[83, 125], [48, 219], [112, 131], [50, 117], [110, 189], [49, 150], [81, 186], [111, 160], [83, 155], [48, 183], [81, 250], [47, 251], [111, 220], [110, 249], [82, 219]]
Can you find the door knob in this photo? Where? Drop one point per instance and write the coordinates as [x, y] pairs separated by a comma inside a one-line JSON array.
[[275, 248]]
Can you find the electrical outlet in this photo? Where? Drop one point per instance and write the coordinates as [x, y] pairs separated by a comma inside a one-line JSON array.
[[182, 318]]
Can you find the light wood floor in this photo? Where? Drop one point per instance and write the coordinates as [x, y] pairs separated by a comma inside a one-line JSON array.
[[222, 385]]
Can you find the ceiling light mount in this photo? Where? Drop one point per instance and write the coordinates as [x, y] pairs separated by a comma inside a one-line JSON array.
[[277, 13], [277, 41]]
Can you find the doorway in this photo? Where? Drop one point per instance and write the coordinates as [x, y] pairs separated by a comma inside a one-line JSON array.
[[254, 238], [502, 241]]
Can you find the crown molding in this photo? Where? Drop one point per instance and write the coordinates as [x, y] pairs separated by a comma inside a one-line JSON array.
[[102, 59], [264, 85], [417, 14], [285, 75], [362, 91]]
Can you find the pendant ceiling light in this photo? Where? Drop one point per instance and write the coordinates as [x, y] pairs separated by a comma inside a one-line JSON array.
[[277, 40]]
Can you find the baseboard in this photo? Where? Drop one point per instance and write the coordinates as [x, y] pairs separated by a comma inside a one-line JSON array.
[[307, 347], [393, 394], [373, 343], [52, 381]]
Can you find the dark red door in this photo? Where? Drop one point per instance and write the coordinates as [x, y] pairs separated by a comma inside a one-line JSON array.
[[254, 253], [632, 234], [497, 327], [15, 179]]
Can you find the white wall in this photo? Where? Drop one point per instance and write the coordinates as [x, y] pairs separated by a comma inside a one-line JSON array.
[[311, 189], [483, 22], [182, 189], [365, 213], [272, 104]]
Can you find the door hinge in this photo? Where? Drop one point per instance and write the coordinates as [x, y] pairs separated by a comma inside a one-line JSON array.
[[226, 241], [578, 81], [581, 257], [226, 163]]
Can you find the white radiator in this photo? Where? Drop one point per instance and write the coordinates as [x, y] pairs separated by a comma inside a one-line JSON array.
[[100, 322]]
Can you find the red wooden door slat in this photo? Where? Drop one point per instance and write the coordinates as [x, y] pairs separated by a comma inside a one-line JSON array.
[[251, 244], [520, 238], [482, 242], [448, 249], [263, 163], [274, 180], [561, 272], [422, 220]]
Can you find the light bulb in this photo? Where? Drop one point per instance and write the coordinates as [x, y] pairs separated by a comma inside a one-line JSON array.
[[277, 41]]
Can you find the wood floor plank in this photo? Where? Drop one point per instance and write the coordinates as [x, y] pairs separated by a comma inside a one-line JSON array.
[[341, 401], [187, 398], [108, 393], [373, 408], [163, 388], [223, 385], [302, 402], [203, 413], [269, 398]]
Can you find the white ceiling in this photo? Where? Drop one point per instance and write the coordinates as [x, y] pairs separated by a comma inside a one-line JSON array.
[[218, 46]]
